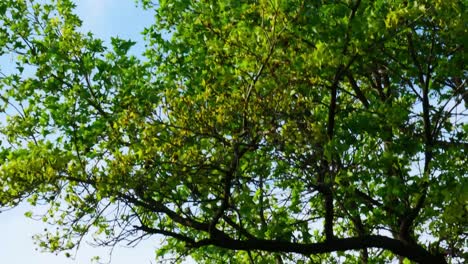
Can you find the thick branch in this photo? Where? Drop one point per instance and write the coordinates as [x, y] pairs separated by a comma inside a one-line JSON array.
[[412, 252], [324, 188]]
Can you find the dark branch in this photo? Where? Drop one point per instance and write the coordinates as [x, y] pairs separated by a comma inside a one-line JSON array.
[[357, 90], [177, 236], [412, 252]]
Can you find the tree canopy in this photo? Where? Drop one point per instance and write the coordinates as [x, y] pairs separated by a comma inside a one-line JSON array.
[[257, 131]]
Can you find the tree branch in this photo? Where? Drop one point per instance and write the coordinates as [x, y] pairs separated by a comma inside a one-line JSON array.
[[357, 90], [412, 252], [177, 236]]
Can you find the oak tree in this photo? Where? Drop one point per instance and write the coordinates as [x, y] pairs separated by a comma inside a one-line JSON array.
[[255, 131]]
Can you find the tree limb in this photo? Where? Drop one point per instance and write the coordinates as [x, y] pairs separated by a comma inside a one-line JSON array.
[[412, 252]]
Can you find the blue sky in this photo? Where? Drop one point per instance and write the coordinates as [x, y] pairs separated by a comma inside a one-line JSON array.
[[105, 18]]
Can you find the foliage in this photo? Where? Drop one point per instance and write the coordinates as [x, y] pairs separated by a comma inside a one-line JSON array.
[[251, 131]]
